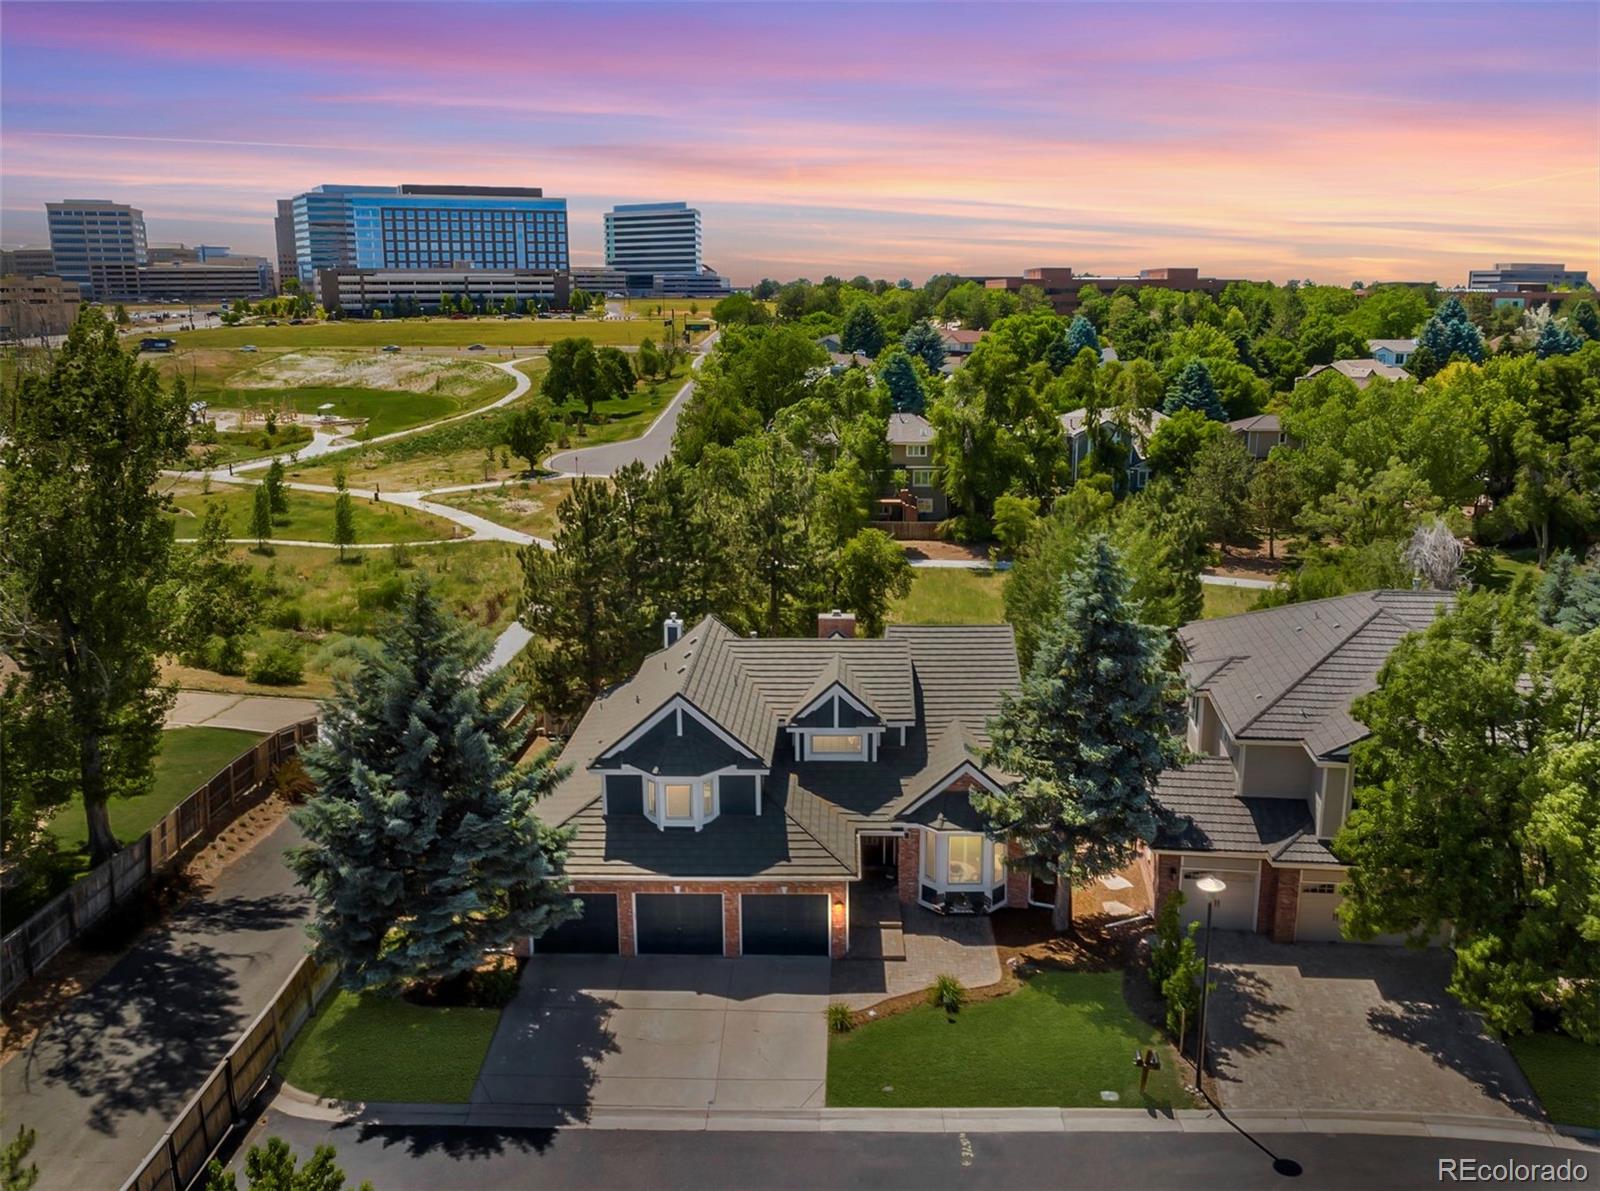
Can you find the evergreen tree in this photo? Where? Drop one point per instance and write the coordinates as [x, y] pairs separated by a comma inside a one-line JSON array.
[[261, 518], [1586, 319], [862, 332], [84, 548], [215, 600], [272, 1168], [1556, 339], [423, 851], [1218, 485], [897, 372], [1080, 335], [277, 494], [1451, 332], [1096, 721], [923, 342], [1274, 498], [344, 515], [1194, 389]]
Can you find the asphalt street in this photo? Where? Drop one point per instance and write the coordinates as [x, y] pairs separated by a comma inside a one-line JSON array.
[[436, 1159], [101, 1083]]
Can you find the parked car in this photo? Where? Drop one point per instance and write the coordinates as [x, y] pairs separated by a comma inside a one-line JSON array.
[[297, 322], [391, 347], [272, 322], [476, 347], [249, 347], [458, 316]]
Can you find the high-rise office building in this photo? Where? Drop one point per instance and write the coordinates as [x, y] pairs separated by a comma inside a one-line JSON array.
[[283, 241], [428, 227], [653, 238], [98, 244]]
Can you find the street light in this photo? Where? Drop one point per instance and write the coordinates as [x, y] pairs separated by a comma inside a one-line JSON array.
[[1211, 887]]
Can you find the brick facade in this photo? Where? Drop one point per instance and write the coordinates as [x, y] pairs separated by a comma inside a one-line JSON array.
[[1277, 894], [1019, 882], [1165, 883], [837, 891], [909, 870], [1266, 897], [1286, 906]]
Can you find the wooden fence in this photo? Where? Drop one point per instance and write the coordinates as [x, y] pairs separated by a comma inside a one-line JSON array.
[[180, 1157], [243, 782]]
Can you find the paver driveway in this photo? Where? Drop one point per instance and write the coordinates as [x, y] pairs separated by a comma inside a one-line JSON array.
[[661, 1032], [1344, 1026]]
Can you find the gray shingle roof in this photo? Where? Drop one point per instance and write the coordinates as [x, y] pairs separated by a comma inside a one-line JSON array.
[[1265, 423], [909, 430], [1210, 817], [961, 672], [1291, 673], [770, 844]]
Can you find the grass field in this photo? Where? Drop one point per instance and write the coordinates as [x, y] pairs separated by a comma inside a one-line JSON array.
[[367, 1047], [236, 446], [1217, 600], [951, 597], [1565, 1073], [1060, 1040], [310, 517], [188, 757], [528, 505], [518, 332]]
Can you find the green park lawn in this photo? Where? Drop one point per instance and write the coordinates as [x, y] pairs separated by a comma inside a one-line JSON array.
[[940, 596], [188, 757], [367, 1047], [1216, 600], [1566, 1075], [1062, 1039], [310, 516], [433, 332]]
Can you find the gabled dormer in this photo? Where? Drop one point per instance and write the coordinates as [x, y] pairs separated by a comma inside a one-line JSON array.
[[833, 721]]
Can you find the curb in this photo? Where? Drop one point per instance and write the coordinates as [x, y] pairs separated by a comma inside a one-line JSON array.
[[291, 1101]]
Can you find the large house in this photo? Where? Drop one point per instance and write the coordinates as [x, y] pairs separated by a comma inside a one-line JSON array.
[[1269, 717], [1075, 425], [911, 451], [1360, 372], [729, 795]]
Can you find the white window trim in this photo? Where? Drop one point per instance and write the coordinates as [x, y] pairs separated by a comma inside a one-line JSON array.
[[697, 787], [836, 690], [867, 744], [676, 705], [965, 769], [937, 844], [917, 451]]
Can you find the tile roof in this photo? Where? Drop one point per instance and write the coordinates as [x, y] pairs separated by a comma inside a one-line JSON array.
[[1210, 817], [1361, 370], [1291, 673], [909, 430], [1396, 345], [1266, 423]]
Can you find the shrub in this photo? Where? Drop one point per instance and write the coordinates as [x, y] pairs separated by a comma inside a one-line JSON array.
[[292, 782], [286, 615], [948, 994], [841, 1018], [383, 595], [276, 665], [1164, 950], [494, 985]]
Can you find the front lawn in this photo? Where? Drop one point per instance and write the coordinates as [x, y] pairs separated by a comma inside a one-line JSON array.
[[1060, 1040], [951, 596], [367, 1047], [1219, 600], [1566, 1075]]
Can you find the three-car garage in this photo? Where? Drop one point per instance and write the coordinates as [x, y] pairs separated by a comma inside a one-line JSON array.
[[696, 922]]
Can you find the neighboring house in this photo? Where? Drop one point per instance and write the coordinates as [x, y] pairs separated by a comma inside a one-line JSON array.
[[1075, 425], [830, 344], [1394, 352], [958, 342], [1259, 434], [911, 450], [1359, 371], [727, 796], [1269, 716], [1108, 355]]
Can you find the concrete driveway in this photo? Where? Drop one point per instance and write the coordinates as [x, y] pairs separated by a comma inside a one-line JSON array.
[[661, 1032], [1345, 1026]]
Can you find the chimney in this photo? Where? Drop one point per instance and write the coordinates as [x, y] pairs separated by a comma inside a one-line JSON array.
[[671, 630], [836, 624]]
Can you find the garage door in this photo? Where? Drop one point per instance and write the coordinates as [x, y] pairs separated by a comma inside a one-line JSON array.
[[784, 923], [593, 933], [1317, 918], [678, 923], [1236, 905]]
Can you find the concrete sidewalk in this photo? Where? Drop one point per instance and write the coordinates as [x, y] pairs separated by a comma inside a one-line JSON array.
[[102, 1082], [250, 713]]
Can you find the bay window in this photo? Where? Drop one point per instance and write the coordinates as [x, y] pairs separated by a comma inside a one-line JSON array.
[[965, 863], [680, 801]]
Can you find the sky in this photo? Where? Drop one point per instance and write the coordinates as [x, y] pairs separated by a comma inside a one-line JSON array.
[[1340, 142]]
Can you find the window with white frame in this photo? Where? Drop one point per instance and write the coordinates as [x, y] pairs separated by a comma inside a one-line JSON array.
[[919, 451], [836, 746], [922, 477], [925, 504], [959, 861], [680, 801], [964, 860]]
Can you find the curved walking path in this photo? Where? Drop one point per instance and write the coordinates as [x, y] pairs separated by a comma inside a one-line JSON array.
[[650, 448], [323, 443]]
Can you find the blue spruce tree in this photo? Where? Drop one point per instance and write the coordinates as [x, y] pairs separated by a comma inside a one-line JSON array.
[[899, 375], [1194, 389], [1556, 339], [422, 849], [1450, 332], [1095, 723], [923, 342], [1081, 334]]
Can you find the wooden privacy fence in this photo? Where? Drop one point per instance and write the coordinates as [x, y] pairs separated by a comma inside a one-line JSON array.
[[243, 782], [180, 1157]]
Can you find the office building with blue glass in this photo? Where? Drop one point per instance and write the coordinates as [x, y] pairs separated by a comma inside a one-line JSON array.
[[428, 227]]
